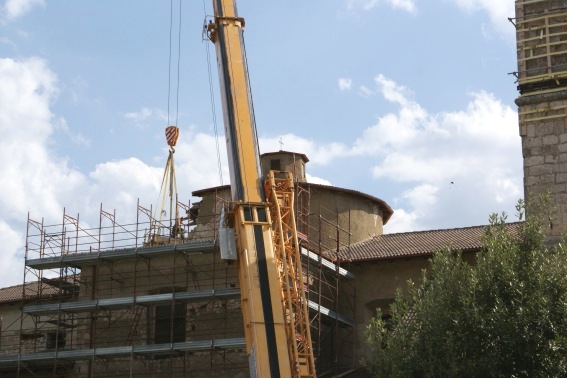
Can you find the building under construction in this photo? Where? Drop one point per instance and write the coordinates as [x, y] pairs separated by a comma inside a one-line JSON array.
[[156, 298]]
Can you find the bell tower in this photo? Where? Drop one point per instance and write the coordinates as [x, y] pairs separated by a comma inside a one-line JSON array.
[[541, 37]]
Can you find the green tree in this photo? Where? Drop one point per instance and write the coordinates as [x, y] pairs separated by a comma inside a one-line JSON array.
[[503, 316]]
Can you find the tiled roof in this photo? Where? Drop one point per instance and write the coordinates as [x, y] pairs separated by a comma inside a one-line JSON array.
[[200, 192], [12, 293], [15, 293], [413, 244], [34, 290], [303, 156]]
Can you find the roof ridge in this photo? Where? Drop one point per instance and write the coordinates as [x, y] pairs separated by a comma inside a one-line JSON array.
[[446, 229], [420, 243], [14, 286]]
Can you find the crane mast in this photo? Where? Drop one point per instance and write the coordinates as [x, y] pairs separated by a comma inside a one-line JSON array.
[[271, 281]]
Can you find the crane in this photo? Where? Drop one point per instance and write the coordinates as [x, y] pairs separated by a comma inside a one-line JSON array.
[[272, 285]]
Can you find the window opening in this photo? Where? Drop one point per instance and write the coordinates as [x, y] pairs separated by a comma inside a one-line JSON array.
[[55, 340], [169, 324], [275, 165], [247, 213], [261, 211]]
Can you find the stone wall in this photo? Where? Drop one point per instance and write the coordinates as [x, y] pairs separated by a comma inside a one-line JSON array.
[[137, 325], [357, 218], [376, 285], [544, 148], [542, 82], [285, 161]]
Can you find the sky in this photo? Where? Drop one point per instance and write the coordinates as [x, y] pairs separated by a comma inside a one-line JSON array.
[[409, 101]]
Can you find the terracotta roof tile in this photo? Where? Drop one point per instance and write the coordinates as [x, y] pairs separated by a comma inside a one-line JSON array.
[[420, 243], [15, 293], [12, 293], [34, 290]]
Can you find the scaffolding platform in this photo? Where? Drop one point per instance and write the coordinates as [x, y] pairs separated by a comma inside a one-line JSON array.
[[125, 302], [91, 258], [123, 351], [104, 299]]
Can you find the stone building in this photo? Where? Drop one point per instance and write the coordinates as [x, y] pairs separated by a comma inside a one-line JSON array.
[[320, 208], [112, 302], [117, 300], [542, 82]]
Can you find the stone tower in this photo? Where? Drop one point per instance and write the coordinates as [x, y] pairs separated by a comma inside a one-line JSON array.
[[285, 161], [541, 35]]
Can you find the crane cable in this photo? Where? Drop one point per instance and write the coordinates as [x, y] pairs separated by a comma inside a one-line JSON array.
[[169, 64], [178, 66], [178, 63], [169, 181], [212, 98]]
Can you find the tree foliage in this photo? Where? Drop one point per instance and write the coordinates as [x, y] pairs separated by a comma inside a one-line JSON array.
[[504, 316]]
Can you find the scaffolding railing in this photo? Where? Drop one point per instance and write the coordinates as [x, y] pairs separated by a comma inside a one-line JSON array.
[[72, 237], [541, 34], [331, 289], [102, 300], [76, 319]]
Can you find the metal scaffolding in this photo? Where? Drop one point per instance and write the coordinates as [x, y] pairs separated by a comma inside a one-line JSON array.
[[118, 299], [331, 291], [541, 34]]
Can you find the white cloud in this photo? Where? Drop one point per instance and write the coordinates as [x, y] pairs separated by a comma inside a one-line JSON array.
[[7, 41], [26, 123], [453, 167], [422, 199], [32, 178], [142, 115], [345, 83], [366, 92], [13, 9], [394, 131], [145, 114], [406, 5], [36, 180], [197, 161], [12, 245], [119, 184], [317, 180], [392, 91], [76, 138], [122, 176], [317, 154], [366, 5], [476, 149], [402, 221], [498, 11], [77, 88]]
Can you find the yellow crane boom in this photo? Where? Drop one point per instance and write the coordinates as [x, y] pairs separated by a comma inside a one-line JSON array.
[[271, 281]]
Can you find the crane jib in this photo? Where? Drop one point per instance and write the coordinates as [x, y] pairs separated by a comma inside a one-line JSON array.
[[236, 184], [269, 262], [240, 127], [266, 301]]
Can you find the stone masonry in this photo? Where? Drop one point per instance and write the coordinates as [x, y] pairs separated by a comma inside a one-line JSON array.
[[542, 83]]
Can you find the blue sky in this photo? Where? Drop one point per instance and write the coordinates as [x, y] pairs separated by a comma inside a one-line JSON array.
[[408, 101]]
